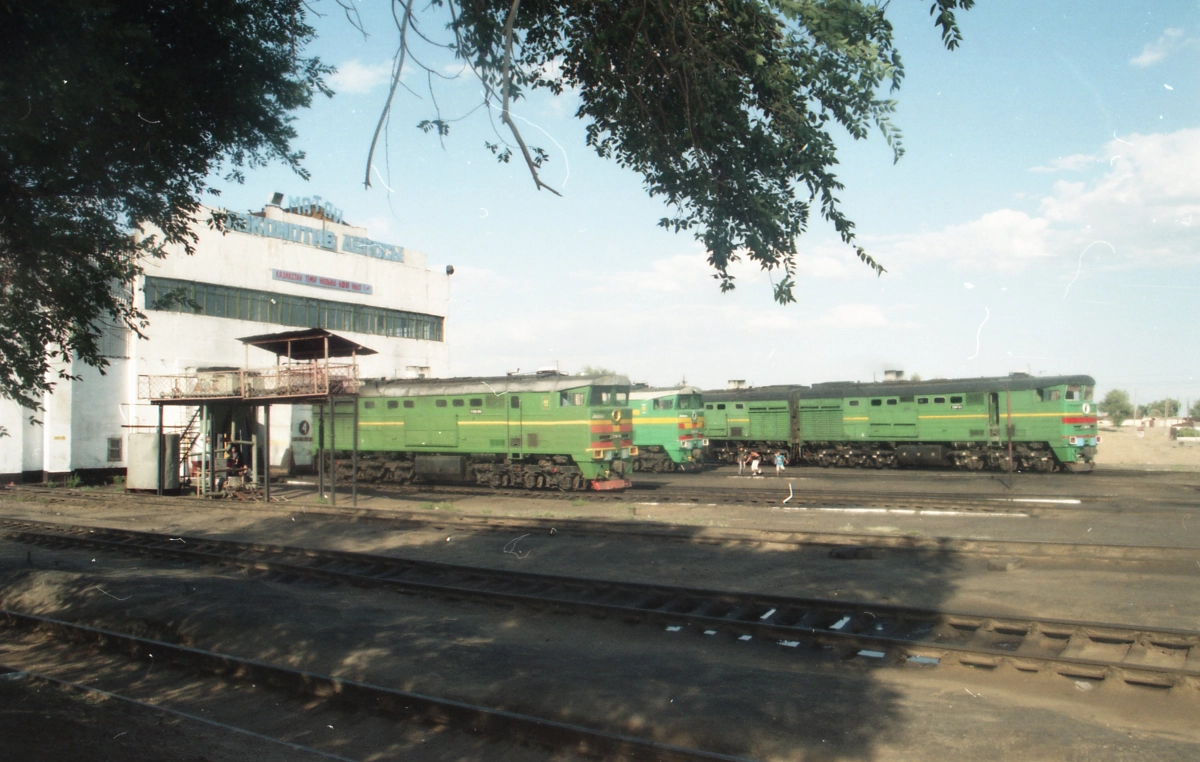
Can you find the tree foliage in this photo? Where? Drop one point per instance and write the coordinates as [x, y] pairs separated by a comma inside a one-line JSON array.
[[1116, 406], [113, 115], [1167, 408], [727, 108]]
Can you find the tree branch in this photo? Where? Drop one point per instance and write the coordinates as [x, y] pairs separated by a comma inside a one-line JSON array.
[[387, 107], [505, 117]]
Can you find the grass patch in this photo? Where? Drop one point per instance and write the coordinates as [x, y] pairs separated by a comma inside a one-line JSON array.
[[579, 502], [439, 506]]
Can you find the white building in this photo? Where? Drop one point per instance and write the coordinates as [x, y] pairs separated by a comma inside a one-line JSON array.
[[274, 270]]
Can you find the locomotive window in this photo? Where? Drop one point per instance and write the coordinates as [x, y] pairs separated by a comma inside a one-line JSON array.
[[708, 406], [721, 406], [892, 402], [368, 404], [393, 404], [1073, 392], [876, 403], [514, 401], [664, 404], [408, 403], [620, 397], [1087, 393], [601, 396], [956, 400], [853, 403], [440, 403], [476, 402], [939, 400], [458, 403], [570, 398], [738, 406], [922, 400]]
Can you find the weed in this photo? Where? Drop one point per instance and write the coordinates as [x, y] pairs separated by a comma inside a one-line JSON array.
[[74, 481], [118, 481], [579, 502], [439, 506]]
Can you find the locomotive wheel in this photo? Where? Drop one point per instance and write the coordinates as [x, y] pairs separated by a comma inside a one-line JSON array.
[[530, 480], [577, 482], [637, 464], [657, 467]]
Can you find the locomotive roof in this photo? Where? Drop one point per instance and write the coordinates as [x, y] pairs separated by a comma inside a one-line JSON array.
[[650, 393], [1015, 382], [436, 387]]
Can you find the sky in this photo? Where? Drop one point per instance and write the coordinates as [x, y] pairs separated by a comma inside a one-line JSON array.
[[1045, 217]]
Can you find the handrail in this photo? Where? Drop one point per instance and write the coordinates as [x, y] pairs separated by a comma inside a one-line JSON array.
[[258, 383]]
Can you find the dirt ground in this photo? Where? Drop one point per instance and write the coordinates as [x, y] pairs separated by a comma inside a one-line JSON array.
[[752, 698], [1154, 449]]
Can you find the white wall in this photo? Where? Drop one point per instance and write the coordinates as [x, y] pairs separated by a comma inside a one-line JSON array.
[[81, 415]]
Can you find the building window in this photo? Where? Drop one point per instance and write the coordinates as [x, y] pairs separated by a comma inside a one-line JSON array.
[[114, 450], [172, 295]]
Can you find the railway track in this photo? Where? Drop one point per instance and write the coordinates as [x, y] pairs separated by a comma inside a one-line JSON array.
[[836, 542], [878, 633], [355, 696]]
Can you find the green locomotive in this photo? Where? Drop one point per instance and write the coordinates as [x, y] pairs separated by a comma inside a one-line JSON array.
[[668, 429], [546, 430], [1048, 423]]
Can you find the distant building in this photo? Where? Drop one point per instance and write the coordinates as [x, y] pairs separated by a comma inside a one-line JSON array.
[[300, 267]]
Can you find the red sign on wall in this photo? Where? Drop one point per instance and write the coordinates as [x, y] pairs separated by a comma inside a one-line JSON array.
[[321, 281]]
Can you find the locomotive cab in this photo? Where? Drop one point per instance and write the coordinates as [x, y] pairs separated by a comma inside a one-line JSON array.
[[668, 426], [1079, 435]]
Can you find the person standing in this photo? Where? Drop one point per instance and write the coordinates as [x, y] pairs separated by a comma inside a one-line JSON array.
[[755, 459], [741, 460], [779, 464]]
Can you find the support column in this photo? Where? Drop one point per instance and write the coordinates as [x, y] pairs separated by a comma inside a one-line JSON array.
[[161, 454], [354, 460], [321, 451], [332, 450], [267, 454], [212, 451]]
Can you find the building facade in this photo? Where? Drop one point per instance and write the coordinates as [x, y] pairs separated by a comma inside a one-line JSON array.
[[273, 270]]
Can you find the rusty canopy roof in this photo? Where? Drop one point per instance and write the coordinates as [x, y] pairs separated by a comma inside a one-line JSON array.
[[307, 344]]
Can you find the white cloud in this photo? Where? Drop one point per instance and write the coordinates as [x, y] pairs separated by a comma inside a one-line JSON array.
[[1170, 41], [355, 77], [854, 316], [1143, 204], [1073, 163], [1003, 239]]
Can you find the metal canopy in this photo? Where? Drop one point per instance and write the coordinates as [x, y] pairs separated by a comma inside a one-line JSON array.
[[307, 344]]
